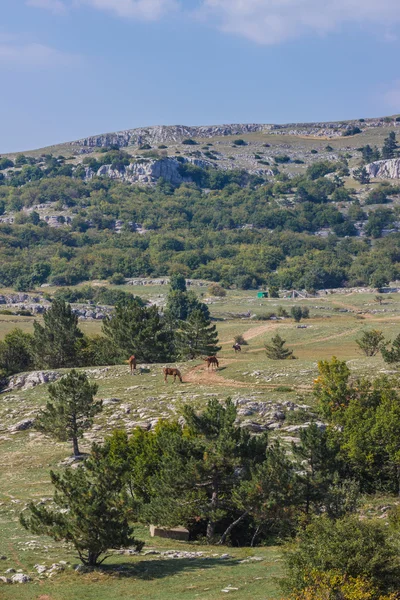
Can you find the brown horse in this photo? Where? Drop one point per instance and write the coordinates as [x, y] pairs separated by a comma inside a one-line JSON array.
[[212, 361], [132, 363], [174, 372], [237, 348]]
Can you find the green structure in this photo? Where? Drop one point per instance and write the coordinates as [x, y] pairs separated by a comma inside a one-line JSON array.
[[262, 295]]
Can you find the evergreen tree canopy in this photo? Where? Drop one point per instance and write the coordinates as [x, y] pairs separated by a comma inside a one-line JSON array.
[[196, 336], [16, 352], [90, 512], [392, 355], [389, 149], [276, 349], [59, 341], [371, 342], [70, 410], [138, 330]]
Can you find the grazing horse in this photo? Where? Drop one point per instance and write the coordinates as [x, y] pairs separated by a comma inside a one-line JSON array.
[[132, 363], [212, 361], [174, 372], [237, 348]]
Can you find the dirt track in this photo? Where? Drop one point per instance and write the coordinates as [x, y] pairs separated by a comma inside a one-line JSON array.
[[200, 376]]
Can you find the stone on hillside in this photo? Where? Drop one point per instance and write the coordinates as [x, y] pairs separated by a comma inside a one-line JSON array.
[[20, 578], [23, 425], [27, 381], [253, 426]]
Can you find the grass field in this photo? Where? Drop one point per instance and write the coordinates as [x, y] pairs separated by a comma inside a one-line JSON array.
[[27, 456]]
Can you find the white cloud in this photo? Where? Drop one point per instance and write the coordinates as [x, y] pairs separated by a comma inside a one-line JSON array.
[[274, 21], [32, 55], [262, 21], [140, 9], [55, 6]]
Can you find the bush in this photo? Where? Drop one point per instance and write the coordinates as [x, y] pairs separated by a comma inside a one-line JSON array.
[[190, 142], [282, 159], [216, 290], [348, 546], [117, 279], [239, 143], [239, 339], [351, 131]]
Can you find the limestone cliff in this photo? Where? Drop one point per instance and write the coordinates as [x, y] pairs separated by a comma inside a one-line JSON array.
[[149, 170], [385, 169]]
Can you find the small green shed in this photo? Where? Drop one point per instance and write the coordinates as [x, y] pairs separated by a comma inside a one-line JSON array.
[[262, 295]]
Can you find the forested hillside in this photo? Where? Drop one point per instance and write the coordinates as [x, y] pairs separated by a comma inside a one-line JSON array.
[[325, 226]]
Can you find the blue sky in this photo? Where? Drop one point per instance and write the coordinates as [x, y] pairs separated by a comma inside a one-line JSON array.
[[72, 68]]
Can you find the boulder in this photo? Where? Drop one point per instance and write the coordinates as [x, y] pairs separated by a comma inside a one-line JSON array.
[[23, 425], [176, 533], [20, 578]]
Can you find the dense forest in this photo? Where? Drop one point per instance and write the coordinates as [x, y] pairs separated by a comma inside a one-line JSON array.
[[227, 226]]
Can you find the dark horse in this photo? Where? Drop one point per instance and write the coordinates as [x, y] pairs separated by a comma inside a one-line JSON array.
[[212, 361], [237, 348], [174, 372]]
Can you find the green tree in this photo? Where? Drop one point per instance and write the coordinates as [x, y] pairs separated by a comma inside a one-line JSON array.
[[389, 149], [139, 330], [16, 352], [270, 496], [318, 460], [196, 337], [177, 283], [276, 349], [392, 355], [297, 313], [70, 410], [371, 342], [332, 388], [361, 175], [226, 449], [59, 341], [273, 291], [89, 512]]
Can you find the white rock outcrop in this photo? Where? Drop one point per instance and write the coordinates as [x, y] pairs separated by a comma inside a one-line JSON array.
[[149, 170], [384, 169]]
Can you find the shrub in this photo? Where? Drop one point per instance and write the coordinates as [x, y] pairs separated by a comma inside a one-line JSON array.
[[239, 339], [190, 142], [117, 279], [239, 143], [347, 546], [216, 290]]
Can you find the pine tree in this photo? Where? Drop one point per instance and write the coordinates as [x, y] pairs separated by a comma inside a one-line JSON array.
[[71, 409], [297, 313], [58, 343], [181, 303], [89, 511], [371, 342], [392, 355], [389, 149], [138, 330], [361, 175], [276, 349], [196, 336]]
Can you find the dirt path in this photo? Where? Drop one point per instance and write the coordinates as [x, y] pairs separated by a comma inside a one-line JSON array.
[[200, 376], [254, 332]]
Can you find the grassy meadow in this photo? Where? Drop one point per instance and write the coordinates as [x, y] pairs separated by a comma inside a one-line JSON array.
[[336, 321]]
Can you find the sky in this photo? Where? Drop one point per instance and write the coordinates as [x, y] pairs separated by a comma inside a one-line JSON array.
[[73, 68]]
